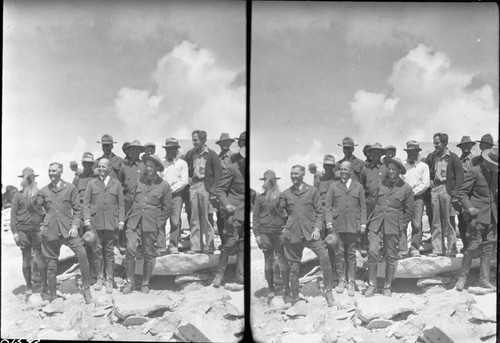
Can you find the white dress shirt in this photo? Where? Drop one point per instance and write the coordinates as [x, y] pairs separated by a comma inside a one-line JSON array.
[[106, 180], [175, 173], [417, 176]]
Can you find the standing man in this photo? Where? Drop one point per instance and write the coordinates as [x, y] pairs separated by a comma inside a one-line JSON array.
[[25, 219], [479, 198], [115, 162], [60, 226], [313, 169], [366, 150], [302, 204], [150, 211], [125, 151], [393, 212], [149, 148], [390, 152], [345, 215], [357, 165], [486, 142], [446, 177], [242, 143], [231, 195], [417, 176], [205, 171], [104, 213], [73, 165], [176, 175], [129, 175], [465, 145]]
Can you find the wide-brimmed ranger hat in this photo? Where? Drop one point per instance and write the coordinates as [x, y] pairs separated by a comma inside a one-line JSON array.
[[367, 147], [242, 137], [150, 144], [487, 138], [377, 146], [87, 157], [106, 139], [171, 142], [329, 159], [397, 161], [465, 140], [347, 141], [155, 159], [136, 143], [269, 174], [225, 137], [412, 145], [27, 172], [390, 147], [491, 155]]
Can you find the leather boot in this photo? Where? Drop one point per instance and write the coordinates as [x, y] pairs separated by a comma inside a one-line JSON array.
[[130, 286], [98, 269], [294, 285], [43, 280], [269, 278], [27, 278], [110, 262], [390, 270], [240, 267], [221, 269], [146, 275], [372, 279], [484, 274], [351, 274], [464, 272], [329, 298], [52, 283], [340, 267], [87, 295]]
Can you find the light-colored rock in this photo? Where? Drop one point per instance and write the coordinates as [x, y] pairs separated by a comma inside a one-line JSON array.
[[236, 305], [431, 281], [446, 329], [67, 335], [71, 319], [168, 323], [101, 313], [480, 290], [66, 253], [35, 300], [87, 334], [485, 308], [298, 309], [313, 322], [307, 256], [182, 264], [298, 338], [201, 327], [113, 336], [382, 307], [277, 303], [485, 330], [358, 339], [190, 278], [135, 320], [329, 337], [191, 286], [140, 304], [379, 324], [56, 306], [104, 299], [234, 287], [412, 326]]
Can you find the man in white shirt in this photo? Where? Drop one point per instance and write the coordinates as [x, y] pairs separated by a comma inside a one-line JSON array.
[[417, 176], [176, 175]]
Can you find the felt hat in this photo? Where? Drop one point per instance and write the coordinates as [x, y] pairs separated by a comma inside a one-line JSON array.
[[150, 144], [491, 155], [396, 161], [465, 140], [348, 141], [155, 159], [412, 145], [243, 136], [225, 137], [87, 157], [390, 147], [377, 146], [136, 143], [329, 159], [487, 138], [332, 241], [269, 174], [171, 142], [27, 171], [106, 139]]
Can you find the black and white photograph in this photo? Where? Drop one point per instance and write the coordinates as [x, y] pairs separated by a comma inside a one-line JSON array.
[[123, 170], [374, 165]]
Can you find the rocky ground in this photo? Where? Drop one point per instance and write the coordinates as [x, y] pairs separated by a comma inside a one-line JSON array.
[[182, 306], [424, 307]]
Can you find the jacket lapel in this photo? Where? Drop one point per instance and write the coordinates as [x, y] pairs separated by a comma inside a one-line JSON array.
[[111, 182]]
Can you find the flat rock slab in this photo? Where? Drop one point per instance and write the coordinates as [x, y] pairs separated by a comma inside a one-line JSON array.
[[298, 309], [431, 281], [35, 300], [135, 320], [445, 329], [201, 327], [298, 338], [140, 304], [485, 308], [234, 287], [56, 306], [379, 307], [190, 278], [480, 290], [182, 264], [314, 322], [379, 324], [236, 305]]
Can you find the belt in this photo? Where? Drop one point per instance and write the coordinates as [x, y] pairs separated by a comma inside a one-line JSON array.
[[198, 179], [439, 182]]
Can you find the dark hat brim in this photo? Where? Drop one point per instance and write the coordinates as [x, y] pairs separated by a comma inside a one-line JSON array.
[[135, 146], [408, 149], [265, 178], [347, 145], [171, 146], [150, 158], [462, 143], [225, 139], [21, 176], [400, 165], [491, 143], [98, 142]]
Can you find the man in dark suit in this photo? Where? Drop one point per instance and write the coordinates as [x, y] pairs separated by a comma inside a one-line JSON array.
[[205, 171], [479, 199], [345, 216], [302, 204], [104, 213]]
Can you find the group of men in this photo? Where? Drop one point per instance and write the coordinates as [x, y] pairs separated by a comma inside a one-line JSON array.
[[368, 205], [126, 202]]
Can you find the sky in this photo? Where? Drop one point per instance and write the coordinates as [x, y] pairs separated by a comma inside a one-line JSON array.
[[375, 72], [148, 70]]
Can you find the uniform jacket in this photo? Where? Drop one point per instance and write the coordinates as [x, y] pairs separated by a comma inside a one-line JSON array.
[[25, 214], [304, 210], [371, 176], [103, 205], [266, 216], [393, 209], [323, 188], [357, 166], [81, 182], [231, 189], [129, 175], [345, 207], [62, 208], [152, 204], [477, 160], [454, 172], [115, 162], [213, 169], [480, 190]]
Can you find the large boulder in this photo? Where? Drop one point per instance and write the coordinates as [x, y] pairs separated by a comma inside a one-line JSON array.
[[182, 264], [446, 329], [379, 307], [140, 304]]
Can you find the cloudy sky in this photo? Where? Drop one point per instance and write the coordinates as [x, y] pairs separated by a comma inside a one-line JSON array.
[[376, 72], [142, 70]]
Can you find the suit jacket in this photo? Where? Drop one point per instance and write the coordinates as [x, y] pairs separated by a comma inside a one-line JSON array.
[[231, 189], [62, 208], [213, 169], [152, 204], [357, 166], [81, 183], [393, 209], [480, 190], [25, 214], [345, 207], [304, 210], [103, 205], [115, 162], [266, 217], [454, 172]]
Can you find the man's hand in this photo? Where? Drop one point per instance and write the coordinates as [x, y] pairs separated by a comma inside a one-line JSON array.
[[473, 211], [315, 235], [362, 228], [73, 232], [16, 239], [258, 239], [121, 225], [87, 224]]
